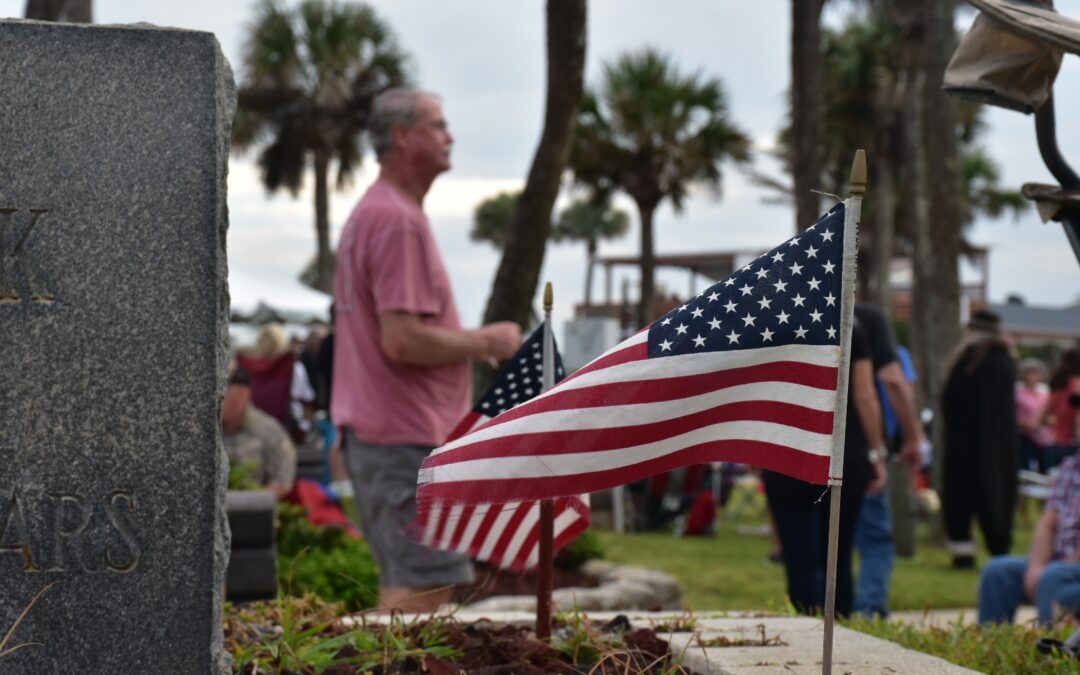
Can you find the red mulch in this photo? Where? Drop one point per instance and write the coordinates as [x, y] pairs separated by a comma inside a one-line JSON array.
[[490, 649]]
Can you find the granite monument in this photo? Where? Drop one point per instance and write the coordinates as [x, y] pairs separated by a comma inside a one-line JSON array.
[[113, 347]]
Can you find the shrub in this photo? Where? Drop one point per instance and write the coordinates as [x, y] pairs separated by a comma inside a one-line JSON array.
[[585, 547], [324, 561]]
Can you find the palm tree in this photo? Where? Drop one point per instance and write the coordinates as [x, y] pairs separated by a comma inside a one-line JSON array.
[[652, 131], [806, 108], [494, 217], [582, 220], [518, 275], [589, 221], [310, 75]]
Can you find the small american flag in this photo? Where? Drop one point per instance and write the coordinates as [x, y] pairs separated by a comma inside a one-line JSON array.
[[748, 371], [505, 535]]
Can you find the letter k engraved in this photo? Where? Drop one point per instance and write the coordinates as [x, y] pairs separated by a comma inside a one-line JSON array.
[[16, 267]]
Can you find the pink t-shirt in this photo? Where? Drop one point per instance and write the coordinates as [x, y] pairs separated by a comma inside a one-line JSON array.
[[388, 260]]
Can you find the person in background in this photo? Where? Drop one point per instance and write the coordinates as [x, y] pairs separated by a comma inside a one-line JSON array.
[[402, 361], [1031, 398], [1062, 412], [252, 437], [280, 385], [981, 441], [802, 516], [874, 531], [1050, 574]]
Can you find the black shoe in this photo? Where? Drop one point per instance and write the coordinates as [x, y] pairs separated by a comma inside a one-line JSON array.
[[963, 562]]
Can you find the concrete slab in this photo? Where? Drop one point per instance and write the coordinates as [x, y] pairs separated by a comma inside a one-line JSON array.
[[798, 649]]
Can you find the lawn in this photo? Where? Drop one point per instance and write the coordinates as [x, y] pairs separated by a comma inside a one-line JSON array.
[[730, 571]]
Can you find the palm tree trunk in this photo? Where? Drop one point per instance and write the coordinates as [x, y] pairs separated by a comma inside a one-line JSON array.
[[806, 108], [324, 265], [935, 187], [523, 255], [648, 264], [881, 246], [590, 264], [939, 285]]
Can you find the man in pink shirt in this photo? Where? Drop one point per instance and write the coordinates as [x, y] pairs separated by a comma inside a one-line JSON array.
[[402, 362]]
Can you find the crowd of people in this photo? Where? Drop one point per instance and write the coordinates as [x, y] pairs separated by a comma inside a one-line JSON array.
[[392, 377], [999, 420]]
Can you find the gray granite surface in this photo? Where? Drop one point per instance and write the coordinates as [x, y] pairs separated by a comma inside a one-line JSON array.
[[113, 346]]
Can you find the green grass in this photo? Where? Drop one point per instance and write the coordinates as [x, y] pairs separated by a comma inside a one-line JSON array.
[[729, 571], [1013, 651]]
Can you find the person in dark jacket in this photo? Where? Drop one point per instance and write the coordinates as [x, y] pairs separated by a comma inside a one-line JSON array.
[[981, 441]]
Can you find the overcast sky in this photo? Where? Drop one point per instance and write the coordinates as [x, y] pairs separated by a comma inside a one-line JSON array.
[[486, 58]]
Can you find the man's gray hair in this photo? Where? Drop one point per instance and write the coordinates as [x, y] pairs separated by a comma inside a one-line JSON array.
[[391, 108]]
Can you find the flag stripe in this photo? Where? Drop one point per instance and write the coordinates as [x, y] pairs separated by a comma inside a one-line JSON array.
[[681, 378], [793, 462], [475, 531], [642, 368], [809, 398], [631, 349], [563, 439], [514, 539], [568, 525], [471, 420], [567, 464], [672, 389], [517, 515], [497, 519]]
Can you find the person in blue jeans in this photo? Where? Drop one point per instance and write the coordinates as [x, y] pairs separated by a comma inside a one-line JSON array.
[[873, 530], [1050, 574]]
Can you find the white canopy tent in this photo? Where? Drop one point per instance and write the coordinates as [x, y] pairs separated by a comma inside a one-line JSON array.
[[251, 289]]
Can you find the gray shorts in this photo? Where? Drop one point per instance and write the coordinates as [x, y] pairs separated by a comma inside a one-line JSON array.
[[384, 477]]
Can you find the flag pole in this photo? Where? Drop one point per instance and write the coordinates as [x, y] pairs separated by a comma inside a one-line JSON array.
[[836, 470], [545, 575]]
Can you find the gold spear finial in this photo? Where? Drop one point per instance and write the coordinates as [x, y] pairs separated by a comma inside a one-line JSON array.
[[549, 298], [857, 181]]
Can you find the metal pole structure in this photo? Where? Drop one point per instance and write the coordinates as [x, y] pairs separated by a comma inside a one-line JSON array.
[[545, 571], [1046, 135], [836, 468], [618, 512]]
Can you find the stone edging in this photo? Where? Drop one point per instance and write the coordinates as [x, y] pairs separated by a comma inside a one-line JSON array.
[[622, 587]]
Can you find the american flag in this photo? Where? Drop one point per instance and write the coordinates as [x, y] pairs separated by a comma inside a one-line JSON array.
[[752, 370], [505, 535]]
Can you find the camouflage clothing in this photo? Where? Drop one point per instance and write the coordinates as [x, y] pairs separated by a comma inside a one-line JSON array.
[[262, 440]]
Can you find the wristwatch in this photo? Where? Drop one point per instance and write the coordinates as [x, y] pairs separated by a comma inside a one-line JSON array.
[[877, 455]]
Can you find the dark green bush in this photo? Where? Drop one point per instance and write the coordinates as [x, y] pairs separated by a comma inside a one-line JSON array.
[[586, 547], [325, 561]]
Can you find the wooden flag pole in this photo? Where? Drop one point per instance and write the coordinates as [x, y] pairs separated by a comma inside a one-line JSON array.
[[545, 571], [836, 471]]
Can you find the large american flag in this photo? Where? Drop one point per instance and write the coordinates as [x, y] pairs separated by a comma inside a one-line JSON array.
[[752, 370], [505, 535]]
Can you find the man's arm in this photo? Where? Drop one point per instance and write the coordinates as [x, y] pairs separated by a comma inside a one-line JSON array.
[[1041, 550], [407, 339], [865, 400], [902, 398]]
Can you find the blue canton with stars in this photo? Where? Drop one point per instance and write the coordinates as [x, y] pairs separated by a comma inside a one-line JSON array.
[[790, 295], [521, 378]]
